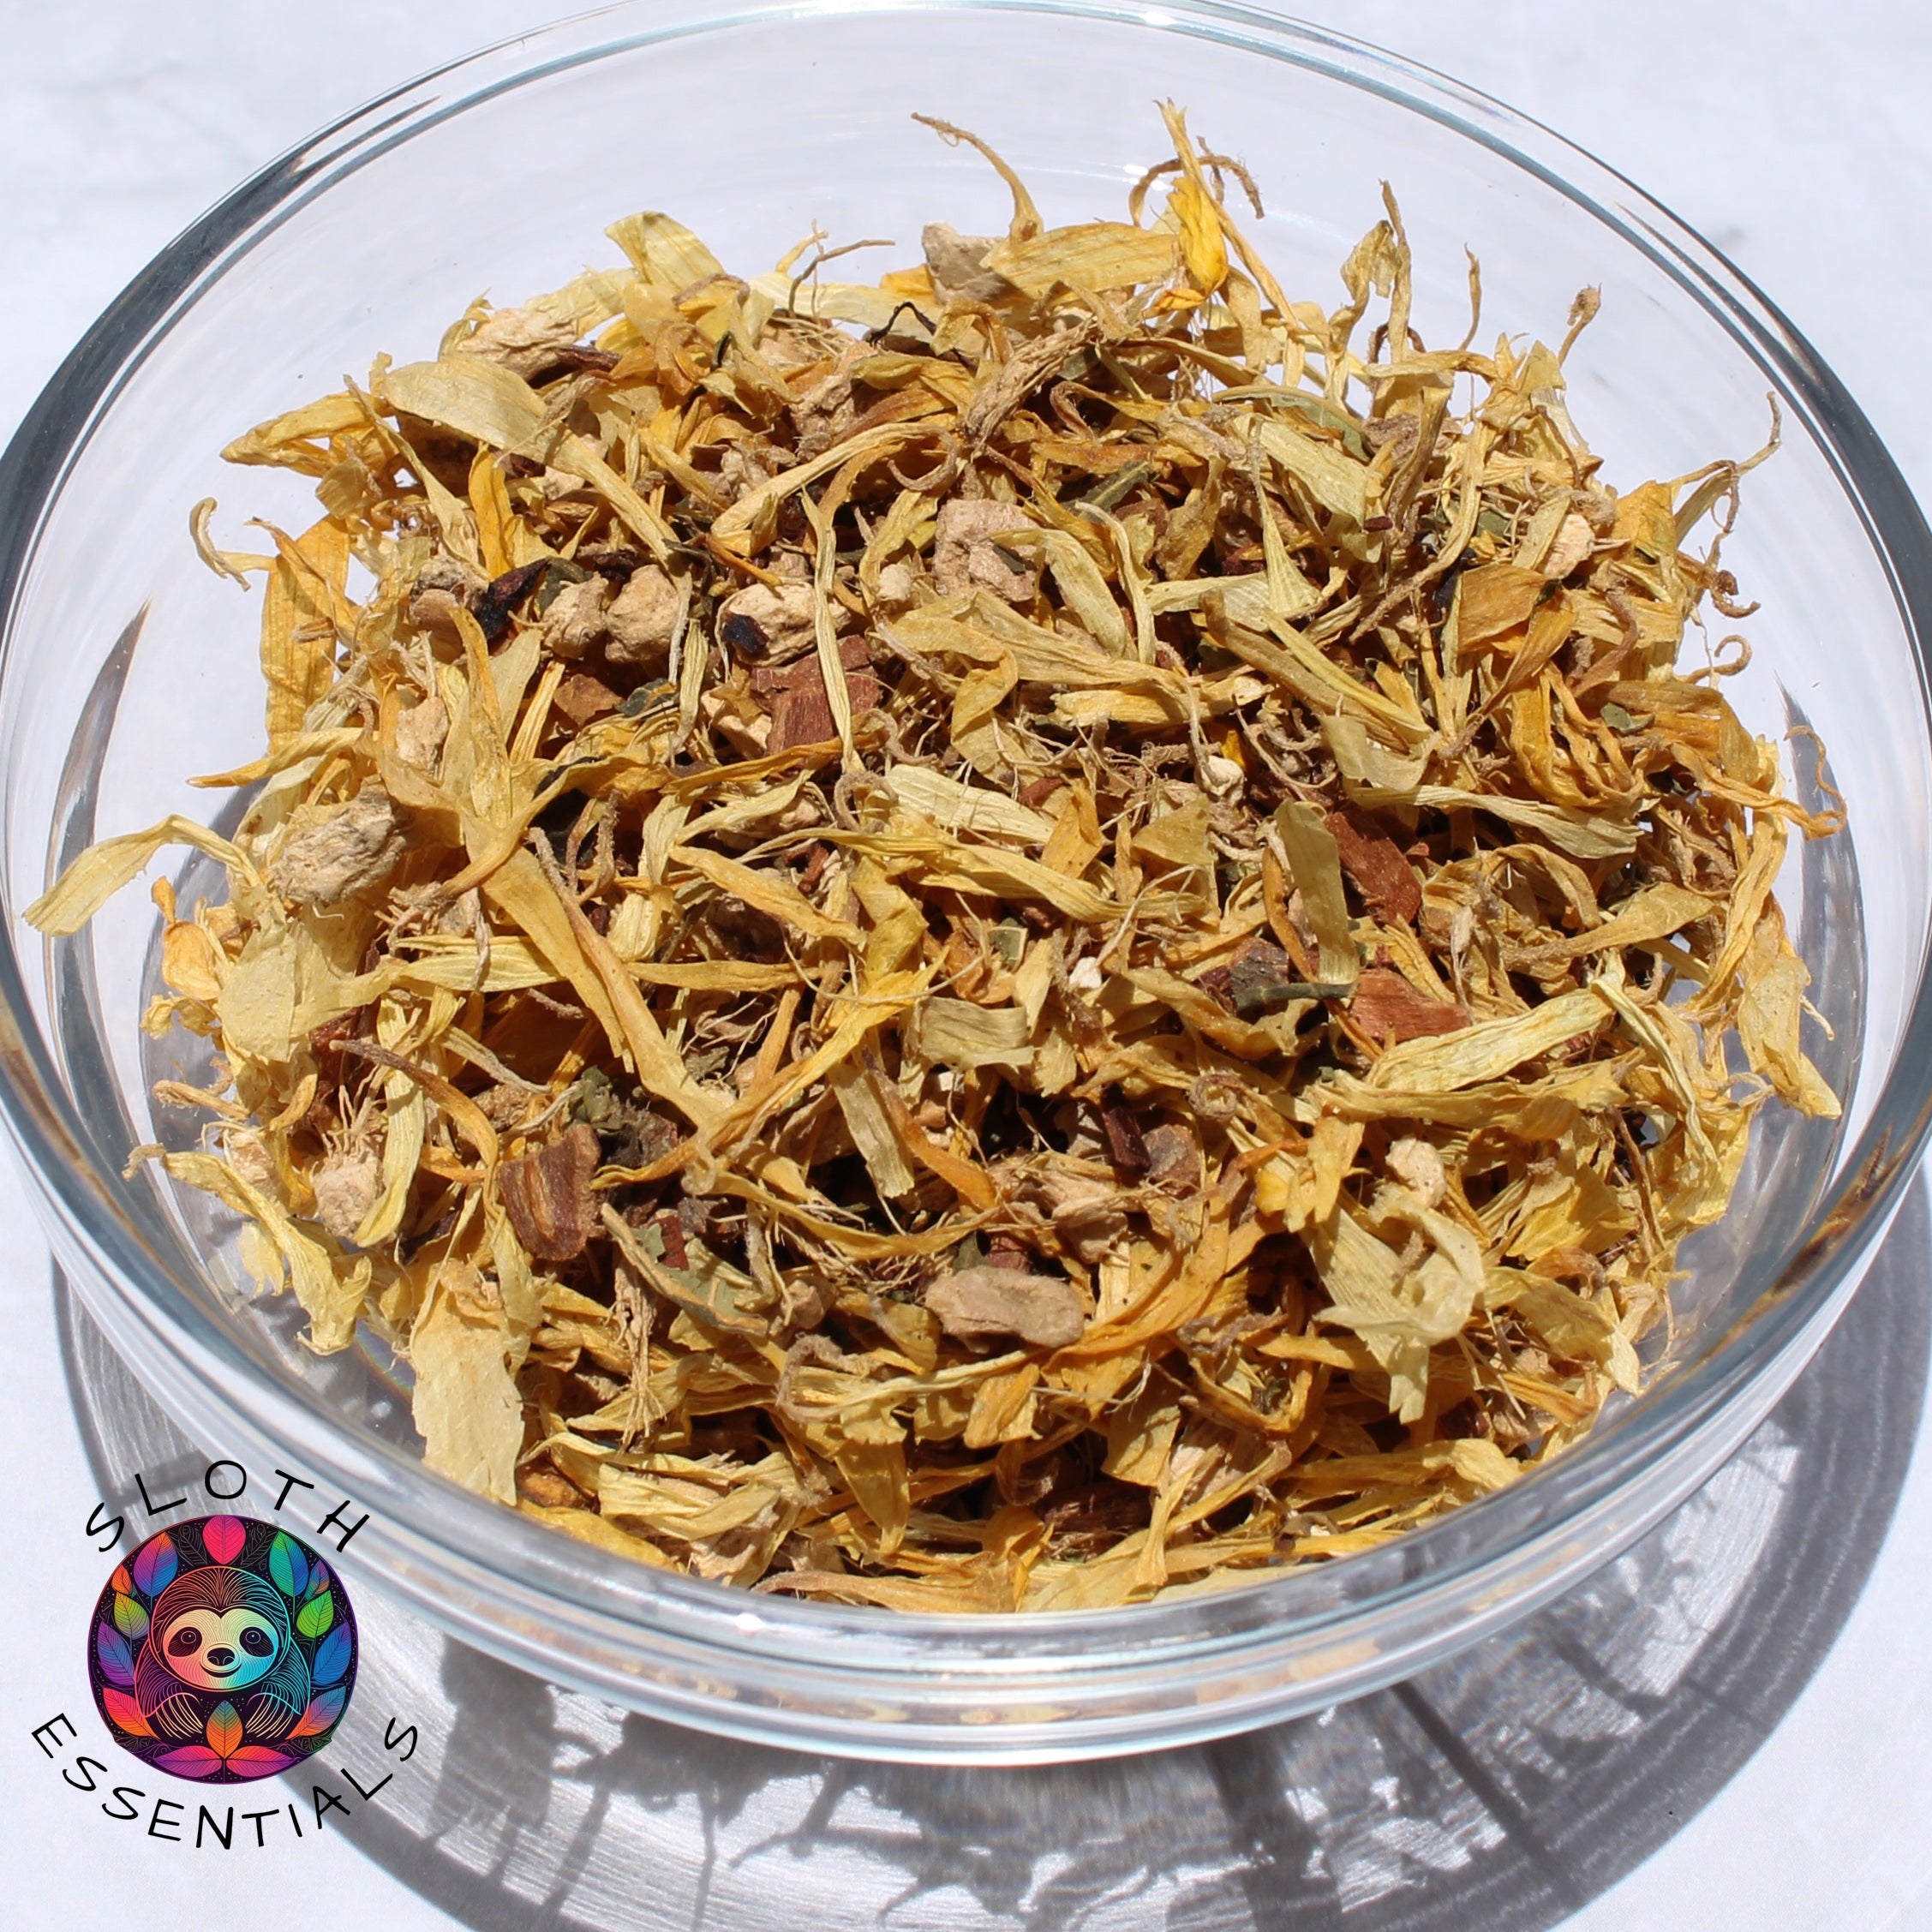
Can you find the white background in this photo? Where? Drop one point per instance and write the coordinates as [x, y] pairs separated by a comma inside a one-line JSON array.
[[1798, 138]]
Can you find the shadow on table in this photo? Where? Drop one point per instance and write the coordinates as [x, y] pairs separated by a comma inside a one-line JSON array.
[[1505, 1788]]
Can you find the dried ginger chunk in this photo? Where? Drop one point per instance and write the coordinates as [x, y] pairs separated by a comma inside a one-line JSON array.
[[770, 624], [346, 1186], [967, 553], [578, 619], [957, 263], [975, 1303], [524, 341], [642, 618], [350, 850]]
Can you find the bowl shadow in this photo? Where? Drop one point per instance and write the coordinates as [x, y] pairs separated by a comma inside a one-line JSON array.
[[1508, 1786]]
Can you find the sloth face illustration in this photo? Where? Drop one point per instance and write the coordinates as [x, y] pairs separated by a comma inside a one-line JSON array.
[[221, 1650], [221, 1630]]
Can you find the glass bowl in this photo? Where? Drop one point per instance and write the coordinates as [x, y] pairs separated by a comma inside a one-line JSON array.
[[127, 665]]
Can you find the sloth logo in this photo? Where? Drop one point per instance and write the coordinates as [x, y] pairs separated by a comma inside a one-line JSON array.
[[224, 1650]]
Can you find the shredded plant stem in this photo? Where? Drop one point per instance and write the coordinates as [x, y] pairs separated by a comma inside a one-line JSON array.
[[1021, 938]]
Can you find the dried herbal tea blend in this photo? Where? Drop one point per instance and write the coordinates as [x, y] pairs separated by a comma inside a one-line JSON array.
[[1047, 931]]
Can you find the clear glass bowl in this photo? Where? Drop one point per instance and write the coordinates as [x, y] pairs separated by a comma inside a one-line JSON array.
[[127, 666]]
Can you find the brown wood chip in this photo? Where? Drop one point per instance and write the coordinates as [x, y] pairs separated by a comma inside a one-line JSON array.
[[1259, 963], [548, 1196], [1174, 1158], [795, 695], [503, 594], [1374, 861], [580, 698], [1125, 1147], [1386, 1007]]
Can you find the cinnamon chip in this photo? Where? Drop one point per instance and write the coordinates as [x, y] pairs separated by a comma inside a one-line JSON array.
[[1374, 861], [801, 711], [548, 1196], [1387, 1007]]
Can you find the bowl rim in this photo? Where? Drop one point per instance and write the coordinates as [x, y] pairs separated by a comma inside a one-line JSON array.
[[432, 1524]]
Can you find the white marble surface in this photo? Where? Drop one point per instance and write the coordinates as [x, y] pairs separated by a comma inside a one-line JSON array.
[[1795, 137]]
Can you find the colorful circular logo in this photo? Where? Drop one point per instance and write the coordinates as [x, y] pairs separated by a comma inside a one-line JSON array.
[[223, 1650]]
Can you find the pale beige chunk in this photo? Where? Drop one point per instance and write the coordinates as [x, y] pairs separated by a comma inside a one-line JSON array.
[[985, 1302], [352, 851], [966, 556], [524, 342], [642, 619], [957, 263]]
